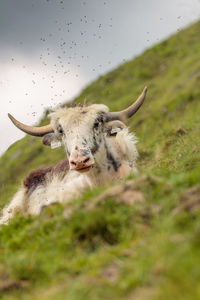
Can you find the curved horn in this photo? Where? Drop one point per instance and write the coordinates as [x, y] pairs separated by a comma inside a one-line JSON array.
[[35, 131], [128, 112]]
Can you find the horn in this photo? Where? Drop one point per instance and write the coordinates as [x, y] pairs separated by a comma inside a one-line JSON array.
[[35, 131], [128, 112]]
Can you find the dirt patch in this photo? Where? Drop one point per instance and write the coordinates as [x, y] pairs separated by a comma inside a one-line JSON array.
[[9, 285], [189, 200], [111, 272], [127, 193]]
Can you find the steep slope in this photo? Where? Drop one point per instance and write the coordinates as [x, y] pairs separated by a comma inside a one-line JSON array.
[[110, 248]]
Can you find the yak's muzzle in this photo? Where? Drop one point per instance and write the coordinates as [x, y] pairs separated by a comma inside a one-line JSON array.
[[81, 161]]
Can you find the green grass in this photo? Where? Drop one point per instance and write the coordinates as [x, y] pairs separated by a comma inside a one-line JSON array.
[[149, 250]]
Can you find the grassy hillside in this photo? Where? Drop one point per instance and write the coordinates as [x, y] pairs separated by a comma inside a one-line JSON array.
[[138, 239]]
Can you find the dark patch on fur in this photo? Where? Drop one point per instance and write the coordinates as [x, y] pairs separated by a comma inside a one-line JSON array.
[[95, 147], [38, 177], [99, 120], [84, 112], [115, 164], [112, 161], [35, 178], [84, 142], [96, 125], [60, 129], [85, 153], [60, 168]]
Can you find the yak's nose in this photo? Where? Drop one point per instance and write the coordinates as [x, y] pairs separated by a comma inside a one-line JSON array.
[[80, 162]]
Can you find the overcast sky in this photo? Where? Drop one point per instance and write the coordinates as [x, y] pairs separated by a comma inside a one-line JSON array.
[[51, 49]]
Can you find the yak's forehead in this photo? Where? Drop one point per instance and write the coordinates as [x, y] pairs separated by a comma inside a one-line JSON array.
[[73, 116]]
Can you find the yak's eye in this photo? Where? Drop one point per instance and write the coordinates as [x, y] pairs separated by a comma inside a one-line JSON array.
[[96, 125], [60, 130]]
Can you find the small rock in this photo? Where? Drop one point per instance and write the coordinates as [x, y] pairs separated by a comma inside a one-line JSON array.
[[181, 131]]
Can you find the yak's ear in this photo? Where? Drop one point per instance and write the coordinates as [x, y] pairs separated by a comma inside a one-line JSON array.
[[51, 140], [113, 127]]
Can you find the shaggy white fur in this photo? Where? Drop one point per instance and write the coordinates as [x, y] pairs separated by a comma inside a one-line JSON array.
[[122, 146]]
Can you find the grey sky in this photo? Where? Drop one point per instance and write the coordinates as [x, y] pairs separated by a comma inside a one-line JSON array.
[[49, 49]]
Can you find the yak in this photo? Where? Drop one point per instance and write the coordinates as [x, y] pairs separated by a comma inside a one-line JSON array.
[[99, 149]]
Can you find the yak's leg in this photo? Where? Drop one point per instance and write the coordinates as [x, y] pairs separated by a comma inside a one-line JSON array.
[[17, 205]]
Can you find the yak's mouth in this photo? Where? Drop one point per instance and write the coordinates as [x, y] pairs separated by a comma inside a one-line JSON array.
[[86, 169]]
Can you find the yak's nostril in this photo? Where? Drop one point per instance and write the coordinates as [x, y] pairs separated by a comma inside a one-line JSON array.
[[86, 160], [73, 163]]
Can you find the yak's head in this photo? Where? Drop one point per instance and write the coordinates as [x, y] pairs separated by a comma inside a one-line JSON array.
[[82, 130]]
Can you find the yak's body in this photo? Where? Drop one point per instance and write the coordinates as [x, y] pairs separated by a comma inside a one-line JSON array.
[[113, 155]]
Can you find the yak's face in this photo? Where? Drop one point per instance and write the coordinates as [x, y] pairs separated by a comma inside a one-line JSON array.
[[82, 130]]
